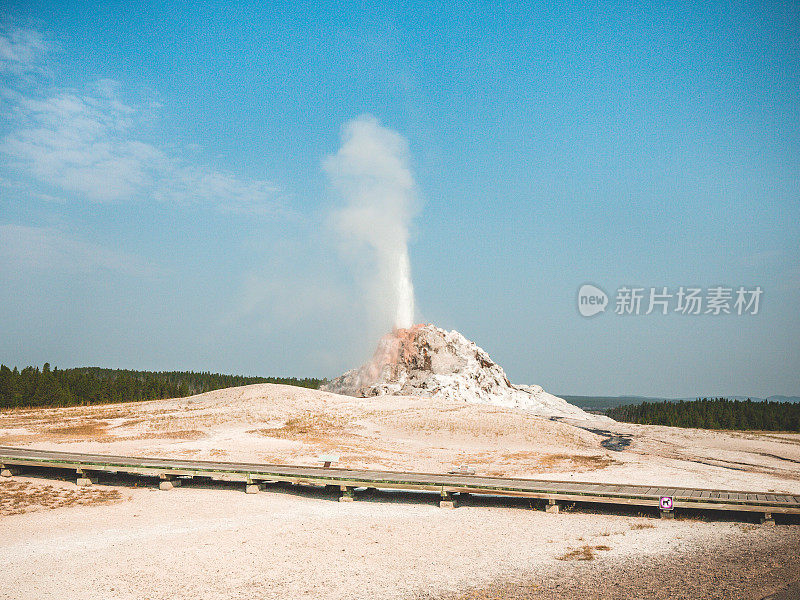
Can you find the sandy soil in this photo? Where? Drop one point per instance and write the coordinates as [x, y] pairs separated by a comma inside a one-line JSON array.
[[220, 543], [290, 425], [213, 541]]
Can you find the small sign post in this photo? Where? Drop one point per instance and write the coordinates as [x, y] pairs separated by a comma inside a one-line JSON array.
[[327, 459], [666, 505]]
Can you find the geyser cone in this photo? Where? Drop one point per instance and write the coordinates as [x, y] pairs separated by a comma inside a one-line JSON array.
[[424, 360]]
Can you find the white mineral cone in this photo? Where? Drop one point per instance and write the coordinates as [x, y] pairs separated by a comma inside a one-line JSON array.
[[424, 360]]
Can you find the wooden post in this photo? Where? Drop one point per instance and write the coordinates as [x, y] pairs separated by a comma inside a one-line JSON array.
[[447, 500], [667, 514], [767, 519], [347, 495]]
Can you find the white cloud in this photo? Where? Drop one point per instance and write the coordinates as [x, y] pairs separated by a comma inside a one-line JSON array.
[[229, 193], [86, 142], [81, 144], [24, 249], [21, 51]]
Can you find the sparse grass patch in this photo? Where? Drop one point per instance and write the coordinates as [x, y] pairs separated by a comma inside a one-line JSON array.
[[642, 526], [84, 429], [17, 497], [484, 422], [574, 462], [585, 552], [307, 425], [186, 434]]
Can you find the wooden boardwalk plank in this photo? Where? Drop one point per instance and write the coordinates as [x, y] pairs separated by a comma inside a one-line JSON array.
[[642, 495]]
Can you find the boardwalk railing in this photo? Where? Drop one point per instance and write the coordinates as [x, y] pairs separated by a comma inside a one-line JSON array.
[[171, 471]]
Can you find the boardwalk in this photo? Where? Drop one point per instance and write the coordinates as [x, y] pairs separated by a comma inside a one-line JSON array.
[[171, 471]]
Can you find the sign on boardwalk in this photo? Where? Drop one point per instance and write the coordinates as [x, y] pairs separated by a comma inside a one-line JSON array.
[[666, 502], [327, 459]]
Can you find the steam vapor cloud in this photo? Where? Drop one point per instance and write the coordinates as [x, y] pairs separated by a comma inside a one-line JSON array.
[[371, 173]]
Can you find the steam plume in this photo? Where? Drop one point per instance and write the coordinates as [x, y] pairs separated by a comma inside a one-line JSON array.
[[371, 173]]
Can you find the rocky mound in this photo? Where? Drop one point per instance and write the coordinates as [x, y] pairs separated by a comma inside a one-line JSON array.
[[424, 360]]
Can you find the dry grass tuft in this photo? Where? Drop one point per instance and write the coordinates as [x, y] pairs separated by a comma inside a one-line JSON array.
[[642, 526], [186, 434], [585, 552], [482, 422], [17, 497], [574, 462], [82, 430], [307, 426]]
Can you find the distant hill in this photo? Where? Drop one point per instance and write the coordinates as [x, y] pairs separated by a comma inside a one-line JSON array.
[[713, 413], [784, 398], [31, 387], [603, 403]]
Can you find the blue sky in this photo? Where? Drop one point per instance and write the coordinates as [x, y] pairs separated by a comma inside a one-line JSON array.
[[163, 201]]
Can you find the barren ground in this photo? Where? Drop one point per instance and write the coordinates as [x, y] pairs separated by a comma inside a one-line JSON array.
[[215, 542]]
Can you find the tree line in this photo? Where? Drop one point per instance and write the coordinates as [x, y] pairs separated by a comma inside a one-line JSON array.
[[713, 413], [32, 387]]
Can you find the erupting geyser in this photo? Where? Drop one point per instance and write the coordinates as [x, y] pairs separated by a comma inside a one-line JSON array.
[[370, 171], [405, 294], [424, 360]]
